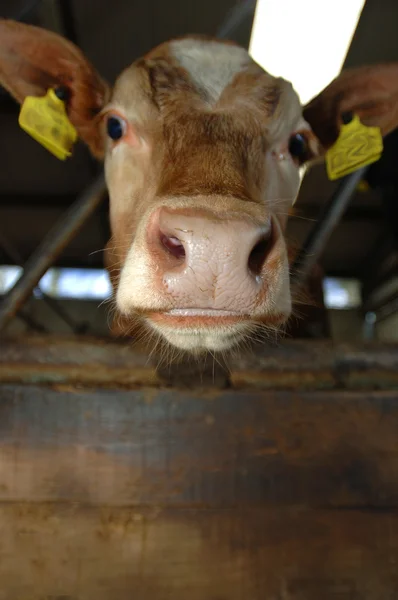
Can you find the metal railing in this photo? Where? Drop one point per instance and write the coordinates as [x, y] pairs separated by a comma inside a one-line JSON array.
[[318, 237], [50, 248]]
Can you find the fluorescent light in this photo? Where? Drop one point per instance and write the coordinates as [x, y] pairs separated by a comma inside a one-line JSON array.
[[304, 41], [79, 284]]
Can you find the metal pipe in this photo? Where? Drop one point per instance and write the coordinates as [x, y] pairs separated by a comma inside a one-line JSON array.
[[56, 307], [24, 14], [321, 232], [13, 254], [51, 247], [389, 309], [31, 322]]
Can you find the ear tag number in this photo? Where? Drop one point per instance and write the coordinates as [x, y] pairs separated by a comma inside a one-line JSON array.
[[356, 146], [45, 119]]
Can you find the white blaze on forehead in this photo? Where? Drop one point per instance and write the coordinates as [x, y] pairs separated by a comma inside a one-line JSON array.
[[211, 65]]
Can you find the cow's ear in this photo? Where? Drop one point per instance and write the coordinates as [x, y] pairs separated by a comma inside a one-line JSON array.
[[32, 60], [370, 92]]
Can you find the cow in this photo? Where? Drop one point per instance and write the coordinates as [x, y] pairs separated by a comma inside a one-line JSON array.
[[203, 153]]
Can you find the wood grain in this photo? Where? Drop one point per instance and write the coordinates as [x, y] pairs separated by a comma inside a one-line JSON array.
[[277, 482], [67, 552]]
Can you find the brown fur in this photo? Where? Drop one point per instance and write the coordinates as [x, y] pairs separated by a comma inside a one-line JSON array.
[[210, 151]]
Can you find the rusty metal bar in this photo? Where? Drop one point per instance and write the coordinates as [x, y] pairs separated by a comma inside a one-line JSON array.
[[51, 247], [321, 232]]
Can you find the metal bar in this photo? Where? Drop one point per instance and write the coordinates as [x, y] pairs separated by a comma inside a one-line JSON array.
[[13, 254], [389, 309], [236, 16], [77, 328], [379, 279], [31, 322], [25, 12], [377, 301], [51, 17], [320, 234], [51, 247], [378, 263], [65, 10]]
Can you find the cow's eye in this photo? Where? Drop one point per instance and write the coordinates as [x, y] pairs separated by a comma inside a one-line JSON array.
[[299, 148], [115, 127]]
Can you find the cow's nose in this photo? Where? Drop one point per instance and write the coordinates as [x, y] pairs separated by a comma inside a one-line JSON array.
[[208, 261]]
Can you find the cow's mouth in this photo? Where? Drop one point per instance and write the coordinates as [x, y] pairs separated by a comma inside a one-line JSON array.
[[193, 318], [201, 330], [203, 312]]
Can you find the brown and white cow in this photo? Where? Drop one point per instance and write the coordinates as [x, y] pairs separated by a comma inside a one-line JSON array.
[[202, 153]]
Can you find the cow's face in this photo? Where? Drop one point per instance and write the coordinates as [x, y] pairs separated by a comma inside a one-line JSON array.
[[202, 154], [202, 165]]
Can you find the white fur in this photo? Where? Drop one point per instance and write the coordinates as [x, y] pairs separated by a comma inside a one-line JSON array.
[[211, 65]]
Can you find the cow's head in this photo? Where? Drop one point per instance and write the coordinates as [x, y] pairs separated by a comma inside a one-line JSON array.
[[202, 151]]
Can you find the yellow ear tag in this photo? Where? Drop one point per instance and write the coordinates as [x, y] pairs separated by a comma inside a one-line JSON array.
[[45, 119], [356, 146]]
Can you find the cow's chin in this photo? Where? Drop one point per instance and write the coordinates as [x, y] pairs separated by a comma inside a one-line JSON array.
[[201, 341], [200, 332]]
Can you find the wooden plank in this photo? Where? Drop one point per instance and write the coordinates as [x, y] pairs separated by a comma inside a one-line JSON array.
[[113, 486], [67, 552], [290, 364], [174, 448], [52, 359]]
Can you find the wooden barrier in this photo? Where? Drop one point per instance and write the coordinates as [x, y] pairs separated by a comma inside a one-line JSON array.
[[276, 481]]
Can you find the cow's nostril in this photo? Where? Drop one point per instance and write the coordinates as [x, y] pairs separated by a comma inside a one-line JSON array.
[[259, 254], [173, 245]]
